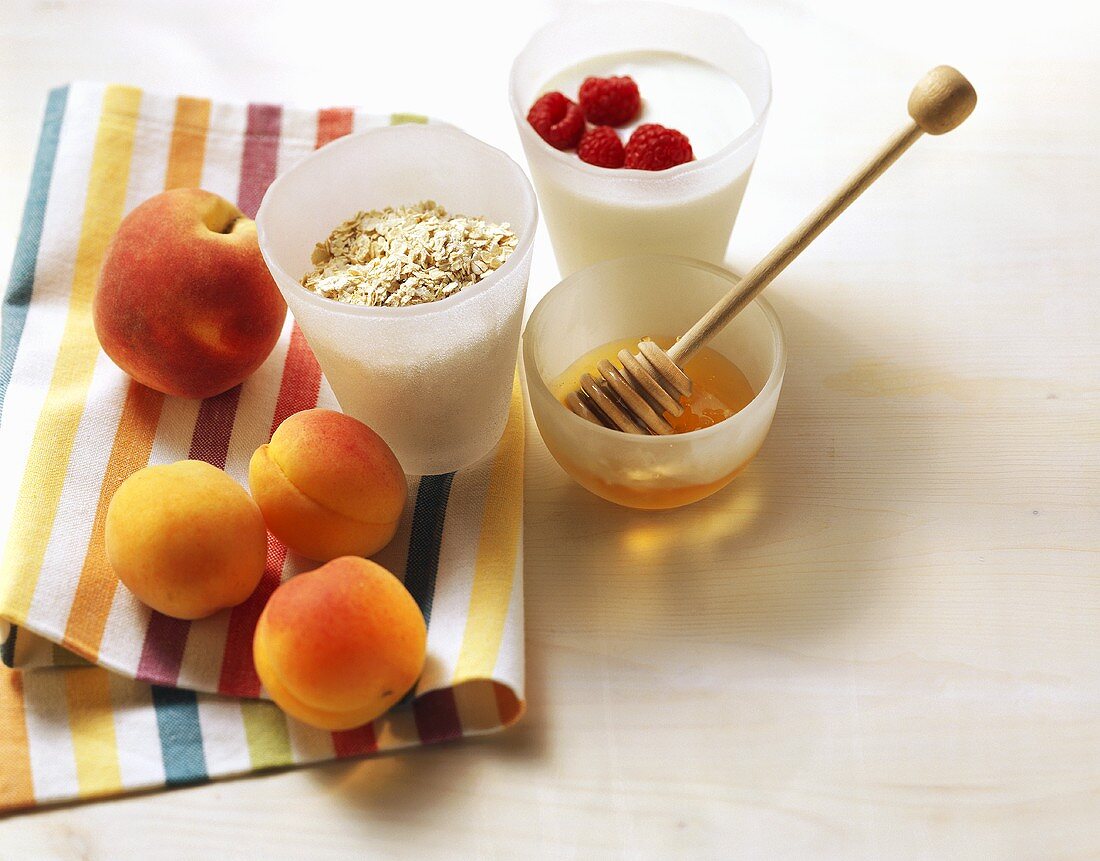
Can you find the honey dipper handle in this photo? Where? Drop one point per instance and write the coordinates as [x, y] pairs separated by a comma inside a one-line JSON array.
[[940, 101]]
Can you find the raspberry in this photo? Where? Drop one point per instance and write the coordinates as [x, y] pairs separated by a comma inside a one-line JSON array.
[[601, 146], [557, 120], [653, 147], [610, 101]]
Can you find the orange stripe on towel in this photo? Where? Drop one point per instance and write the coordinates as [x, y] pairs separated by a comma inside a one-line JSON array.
[[333, 123], [188, 148], [96, 588], [16, 785]]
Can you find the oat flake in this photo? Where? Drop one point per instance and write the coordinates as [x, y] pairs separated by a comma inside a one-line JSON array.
[[406, 255]]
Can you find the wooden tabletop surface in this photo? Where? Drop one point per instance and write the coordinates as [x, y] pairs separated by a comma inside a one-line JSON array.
[[883, 640]]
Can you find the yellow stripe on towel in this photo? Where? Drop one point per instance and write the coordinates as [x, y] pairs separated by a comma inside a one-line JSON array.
[[92, 723], [55, 434], [496, 555], [267, 734]]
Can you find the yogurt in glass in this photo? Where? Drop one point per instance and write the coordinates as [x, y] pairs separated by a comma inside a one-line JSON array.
[[697, 72], [678, 91]]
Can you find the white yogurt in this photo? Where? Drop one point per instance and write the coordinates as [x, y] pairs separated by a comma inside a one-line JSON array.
[[678, 92], [597, 213]]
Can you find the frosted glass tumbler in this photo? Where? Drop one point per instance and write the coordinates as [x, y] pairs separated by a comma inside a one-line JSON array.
[[434, 380], [637, 296], [593, 213]]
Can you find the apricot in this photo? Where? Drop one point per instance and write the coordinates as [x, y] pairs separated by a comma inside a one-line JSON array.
[[185, 538], [328, 486], [338, 646], [185, 303]]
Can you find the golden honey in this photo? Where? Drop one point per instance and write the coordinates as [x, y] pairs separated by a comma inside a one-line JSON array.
[[719, 390]]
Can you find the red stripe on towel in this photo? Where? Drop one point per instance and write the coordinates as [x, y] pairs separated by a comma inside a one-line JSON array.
[[301, 382], [436, 715], [238, 676], [298, 390], [261, 155], [354, 742], [214, 427], [210, 441], [162, 650], [165, 637]]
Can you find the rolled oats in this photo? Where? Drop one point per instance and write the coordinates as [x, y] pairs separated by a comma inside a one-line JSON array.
[[406, 255]]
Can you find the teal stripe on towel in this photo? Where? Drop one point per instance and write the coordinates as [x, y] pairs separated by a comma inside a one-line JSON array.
[[180, 735], [7, 648], [25, 262]]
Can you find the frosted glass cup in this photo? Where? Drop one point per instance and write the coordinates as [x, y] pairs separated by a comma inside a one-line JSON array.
[[649, 295], [593, 213], [434, 380]]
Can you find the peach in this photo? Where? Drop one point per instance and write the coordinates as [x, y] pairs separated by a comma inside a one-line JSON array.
[[185, 303], [328, 486], [338, 646], [185, 538]]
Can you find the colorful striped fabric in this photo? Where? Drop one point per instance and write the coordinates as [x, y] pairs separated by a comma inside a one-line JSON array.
[[174, 702]]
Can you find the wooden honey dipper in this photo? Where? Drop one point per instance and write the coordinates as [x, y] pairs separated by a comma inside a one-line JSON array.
[[635, 397]]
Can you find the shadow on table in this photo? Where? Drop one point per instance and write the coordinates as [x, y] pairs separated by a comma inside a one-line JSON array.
[[790, 551], [404, 787]]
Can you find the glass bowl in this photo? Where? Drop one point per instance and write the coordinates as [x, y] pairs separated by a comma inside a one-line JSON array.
[[593, 213], [434, 380], [632, 297]]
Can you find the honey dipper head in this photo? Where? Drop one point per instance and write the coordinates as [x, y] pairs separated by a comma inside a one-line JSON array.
[[633, 398]]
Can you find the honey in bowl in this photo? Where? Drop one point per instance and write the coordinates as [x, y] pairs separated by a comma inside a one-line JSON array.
[[719, 389]]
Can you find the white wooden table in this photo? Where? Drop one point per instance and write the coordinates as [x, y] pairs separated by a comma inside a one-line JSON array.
[[883, 641]]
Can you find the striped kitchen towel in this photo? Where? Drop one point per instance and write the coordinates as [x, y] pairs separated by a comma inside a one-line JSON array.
[[170, 701]]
